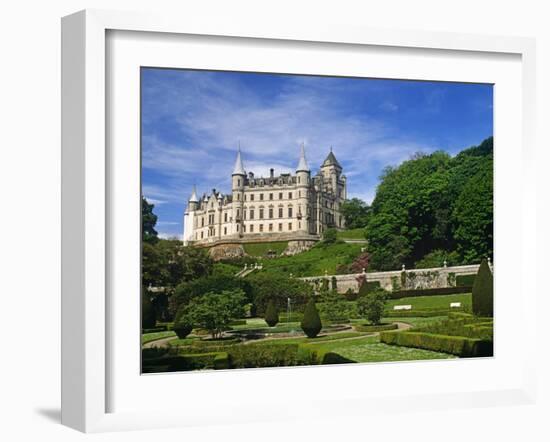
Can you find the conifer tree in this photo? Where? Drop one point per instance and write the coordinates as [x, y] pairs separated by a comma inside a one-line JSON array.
[[482, 291], [271, 314], [311, 322]]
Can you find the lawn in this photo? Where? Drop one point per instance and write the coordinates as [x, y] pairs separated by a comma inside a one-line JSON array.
[[351, 234], [150, 337], [261, 249], [369, 349], [314, 262], [432, 302]]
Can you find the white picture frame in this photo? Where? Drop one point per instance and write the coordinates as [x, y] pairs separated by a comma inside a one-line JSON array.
[[86, 212]]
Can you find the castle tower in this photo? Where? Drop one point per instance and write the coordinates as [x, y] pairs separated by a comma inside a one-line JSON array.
[[302, 183], [237, 186], [189, 218], [332, 171]]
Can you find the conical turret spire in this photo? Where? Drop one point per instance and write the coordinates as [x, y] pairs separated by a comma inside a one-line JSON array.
[[302, 164], [239, 168], [193, 198]]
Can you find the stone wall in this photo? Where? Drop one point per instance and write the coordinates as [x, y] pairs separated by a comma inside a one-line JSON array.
[[225, 251], [400, 280]]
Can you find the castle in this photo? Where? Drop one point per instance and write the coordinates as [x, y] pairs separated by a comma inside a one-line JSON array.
[[295, 208]]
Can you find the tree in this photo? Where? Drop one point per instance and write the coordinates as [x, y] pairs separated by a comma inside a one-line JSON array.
[[267, 286], [433, 202], [437, 258], [371, 305], [311, 322], [355, 213], [214, 311], [329, 236], [148, 314], [361, 263], [271, 314], [183, 323], [482, 291], [148, 221], [333, 306]]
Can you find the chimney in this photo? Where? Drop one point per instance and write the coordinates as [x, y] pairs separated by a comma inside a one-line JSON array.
[[271, 172]]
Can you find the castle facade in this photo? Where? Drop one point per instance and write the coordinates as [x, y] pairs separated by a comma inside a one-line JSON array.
[[289, 207]]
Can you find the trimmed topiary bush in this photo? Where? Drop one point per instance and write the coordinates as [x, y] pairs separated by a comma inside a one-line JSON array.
[[311, 323], [482, 291], [271, 314]]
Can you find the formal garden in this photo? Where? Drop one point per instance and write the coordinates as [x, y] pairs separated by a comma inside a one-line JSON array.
[[200, 314]]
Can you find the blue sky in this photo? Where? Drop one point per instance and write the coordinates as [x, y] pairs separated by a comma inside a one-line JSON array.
[[192, 122]]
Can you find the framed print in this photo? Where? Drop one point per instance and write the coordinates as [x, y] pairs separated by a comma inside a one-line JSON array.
[[325, 214]]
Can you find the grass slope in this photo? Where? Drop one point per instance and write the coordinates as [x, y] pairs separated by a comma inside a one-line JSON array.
[[315, 261], [261, 249], [351, 234]]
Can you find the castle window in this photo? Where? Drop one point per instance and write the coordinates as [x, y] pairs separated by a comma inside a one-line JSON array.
[[251, 228], [298, 180], [290, 212], [289, 226], [280, 195], [270, 213], [225, 217], [299, 225], [280, 212], [238, 182], [289, 195], [271, 227], [261, 196], [238, 213], [251, 213], [225, 230], [238, 196], [261, 213], [202, 235], [244, 228], [270, 196], [202, 222], [261, 227], [252, 197], [280, 227]]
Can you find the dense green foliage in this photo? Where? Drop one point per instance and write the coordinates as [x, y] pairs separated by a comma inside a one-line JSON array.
[[271, 314], [187, 291], [278, 288], [434, 202], [329, 236], [183, 323], [333, 307], [371, 305], [355, 212], [482, 291], [148, 315], [148, 221], [311, 323], [437, 258], [214, 311]]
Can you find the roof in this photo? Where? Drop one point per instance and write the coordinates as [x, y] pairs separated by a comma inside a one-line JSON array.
[[302, 164], [194, 198], [331, 160], [239, 168]]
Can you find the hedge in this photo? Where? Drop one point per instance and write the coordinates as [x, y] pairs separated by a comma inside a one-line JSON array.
[[419, 313], [465, 280], [200, 361], [270, 355], [154, 329], [398, 294], [456, 345], [238, 322], [375, 328]]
